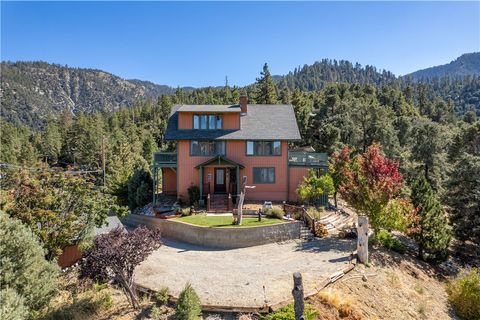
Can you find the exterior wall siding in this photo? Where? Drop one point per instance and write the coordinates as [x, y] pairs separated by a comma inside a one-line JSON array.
[[169, 181], [230, 120], [284, 187], [296, 177]]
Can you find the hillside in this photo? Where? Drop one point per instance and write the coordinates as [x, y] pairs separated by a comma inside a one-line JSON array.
[[30, 91], [466, 64], [316, 76]]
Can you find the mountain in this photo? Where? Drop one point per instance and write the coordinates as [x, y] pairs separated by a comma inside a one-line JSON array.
[[30, 91], [466, 64], [316, 76]]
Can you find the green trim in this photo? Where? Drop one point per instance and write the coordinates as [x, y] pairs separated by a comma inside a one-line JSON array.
[[221, 161], [267, 155], [274, 175]]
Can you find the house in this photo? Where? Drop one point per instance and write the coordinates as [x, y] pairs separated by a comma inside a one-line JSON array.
[[216, 145]]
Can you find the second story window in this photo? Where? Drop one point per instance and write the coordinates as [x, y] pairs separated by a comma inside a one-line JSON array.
[[264, 148], [207, 148], [207, 122]]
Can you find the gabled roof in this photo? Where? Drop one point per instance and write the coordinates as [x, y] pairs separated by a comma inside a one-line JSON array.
[[220, 160], [261, 122]]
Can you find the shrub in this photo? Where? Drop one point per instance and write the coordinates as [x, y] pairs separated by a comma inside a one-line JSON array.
[[24, 270], [13, 307], [156, 313], [316, 213], [115, 255], [313, 188], [389, 242], [162, 296], [464, 295], [288, 313], [274, 213], [188, 304], [140, 189], [193, 195]]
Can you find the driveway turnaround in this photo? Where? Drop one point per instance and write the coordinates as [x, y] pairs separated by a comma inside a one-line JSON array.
[[246, 278]]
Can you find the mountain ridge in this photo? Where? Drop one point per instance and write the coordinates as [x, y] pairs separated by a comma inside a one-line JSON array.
[[465, 65], [30, 91]]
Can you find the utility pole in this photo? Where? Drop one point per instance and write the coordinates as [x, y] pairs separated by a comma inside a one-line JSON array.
[[103, 159]]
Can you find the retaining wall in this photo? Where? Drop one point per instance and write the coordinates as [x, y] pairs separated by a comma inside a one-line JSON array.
[[224, 238]]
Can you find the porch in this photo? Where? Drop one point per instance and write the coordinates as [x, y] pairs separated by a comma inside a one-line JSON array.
[[219, 183]]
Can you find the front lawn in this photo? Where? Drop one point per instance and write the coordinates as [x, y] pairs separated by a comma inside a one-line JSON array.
[[225, 221]]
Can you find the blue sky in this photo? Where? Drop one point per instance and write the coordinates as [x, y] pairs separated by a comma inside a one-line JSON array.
[[198, 44]]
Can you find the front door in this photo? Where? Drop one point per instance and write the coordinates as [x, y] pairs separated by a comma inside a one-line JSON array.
[[220, 180]]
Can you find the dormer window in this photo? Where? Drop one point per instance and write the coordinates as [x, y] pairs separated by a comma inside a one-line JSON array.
[[207, 121]]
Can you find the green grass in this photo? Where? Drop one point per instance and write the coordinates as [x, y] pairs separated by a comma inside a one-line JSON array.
[[226, 221]]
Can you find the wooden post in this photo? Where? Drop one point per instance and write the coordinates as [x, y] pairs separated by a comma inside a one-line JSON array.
[[297, 293], [230, 204], [208, 202], [362, 239]]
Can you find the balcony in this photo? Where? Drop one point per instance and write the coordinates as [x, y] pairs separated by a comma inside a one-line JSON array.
[[307, 159], [165, 159]]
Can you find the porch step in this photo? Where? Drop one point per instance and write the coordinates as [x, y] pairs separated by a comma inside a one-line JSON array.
[[306, 234], [218, 203]]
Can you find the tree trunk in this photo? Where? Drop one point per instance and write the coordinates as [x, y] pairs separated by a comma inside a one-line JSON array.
[[362, 240], [335, 199]]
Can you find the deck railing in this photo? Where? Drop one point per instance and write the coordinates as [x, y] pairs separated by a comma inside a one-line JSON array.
[[165, 159], [307, 159]]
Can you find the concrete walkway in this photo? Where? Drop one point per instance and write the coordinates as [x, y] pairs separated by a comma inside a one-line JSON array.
[[244, 278]]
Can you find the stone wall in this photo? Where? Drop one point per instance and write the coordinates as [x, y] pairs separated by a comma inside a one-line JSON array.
[[224, 238]]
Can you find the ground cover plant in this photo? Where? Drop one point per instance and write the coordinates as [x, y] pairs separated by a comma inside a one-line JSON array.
[[226, 221]]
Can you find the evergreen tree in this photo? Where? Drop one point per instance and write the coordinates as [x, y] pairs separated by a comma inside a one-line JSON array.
[[433, 233], [464, 197], [188, 304], [266, 92], [27, 280]]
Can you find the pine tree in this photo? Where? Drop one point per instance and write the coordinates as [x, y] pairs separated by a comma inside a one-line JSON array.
[[434, 232], [266, 92]]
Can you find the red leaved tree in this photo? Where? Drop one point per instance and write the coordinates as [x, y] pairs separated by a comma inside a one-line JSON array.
[[370, 182], [115, 255]]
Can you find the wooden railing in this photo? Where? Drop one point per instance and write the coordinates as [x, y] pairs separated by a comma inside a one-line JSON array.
[[165, 159], [307, 159], [300, 213]]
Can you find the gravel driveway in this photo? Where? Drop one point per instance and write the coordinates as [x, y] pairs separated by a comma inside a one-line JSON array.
[[244, 278]]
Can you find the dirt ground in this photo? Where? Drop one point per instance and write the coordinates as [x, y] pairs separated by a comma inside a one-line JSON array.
[[396, 287], [247, 277]]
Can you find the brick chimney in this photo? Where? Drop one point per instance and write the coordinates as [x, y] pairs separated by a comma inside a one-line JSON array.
[[243, 103]]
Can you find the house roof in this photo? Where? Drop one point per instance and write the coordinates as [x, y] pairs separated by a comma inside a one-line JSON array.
[[261, 122], [111, 223], [209, 108]]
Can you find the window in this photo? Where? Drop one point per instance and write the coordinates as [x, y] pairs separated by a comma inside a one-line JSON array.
[[264, 148], [207, 148], [210, 122], [263, 175]]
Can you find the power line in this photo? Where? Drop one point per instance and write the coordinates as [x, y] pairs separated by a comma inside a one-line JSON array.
[[14, 166]]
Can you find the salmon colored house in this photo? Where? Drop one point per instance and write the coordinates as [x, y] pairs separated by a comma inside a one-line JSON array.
[[217, 145]]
